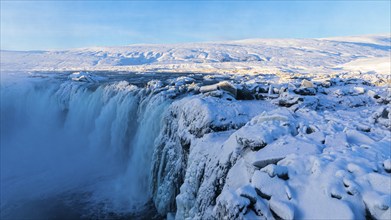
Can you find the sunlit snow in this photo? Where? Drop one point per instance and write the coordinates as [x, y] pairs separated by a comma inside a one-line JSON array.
[[253, 129]]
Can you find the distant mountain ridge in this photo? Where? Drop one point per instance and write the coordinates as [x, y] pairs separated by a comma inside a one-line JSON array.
[[321, 55]]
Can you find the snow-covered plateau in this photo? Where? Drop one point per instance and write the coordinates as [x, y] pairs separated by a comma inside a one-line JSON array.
[[252, 129]]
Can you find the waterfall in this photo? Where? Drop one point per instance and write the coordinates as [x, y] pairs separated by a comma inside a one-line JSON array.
[[60, 137]]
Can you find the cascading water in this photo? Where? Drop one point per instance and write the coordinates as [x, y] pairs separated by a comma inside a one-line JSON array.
[[68, 144]]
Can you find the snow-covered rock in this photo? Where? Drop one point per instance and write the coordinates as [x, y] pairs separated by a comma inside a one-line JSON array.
[[264, 129], [253, 167], [307, 84], [86, 77], [387, 165], [224, 85]]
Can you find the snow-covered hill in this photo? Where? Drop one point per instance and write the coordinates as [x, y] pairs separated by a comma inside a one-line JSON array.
[[247, 56]]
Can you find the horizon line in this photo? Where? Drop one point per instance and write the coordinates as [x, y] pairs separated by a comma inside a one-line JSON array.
[[195, 42]]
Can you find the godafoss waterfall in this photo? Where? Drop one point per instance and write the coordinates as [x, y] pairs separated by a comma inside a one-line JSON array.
[[120, 145]]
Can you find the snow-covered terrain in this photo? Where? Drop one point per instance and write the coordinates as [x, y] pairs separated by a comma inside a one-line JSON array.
[[316, 56], [254, 129]]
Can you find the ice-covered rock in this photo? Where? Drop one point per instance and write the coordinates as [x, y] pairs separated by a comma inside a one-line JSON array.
[[359, 90], [86, 77], [383, 116], [305, 91], [387, 165], [244, 94], [249, 192], [289, 101], [307, 84], [282, 209], [256, 168], [155, 84], [231, 206], [224, 85], [183, 80], [276, 170], [378, 205], [177, 160], [264, 129]]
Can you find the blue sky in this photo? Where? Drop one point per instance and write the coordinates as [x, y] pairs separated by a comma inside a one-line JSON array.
[[30, 25]]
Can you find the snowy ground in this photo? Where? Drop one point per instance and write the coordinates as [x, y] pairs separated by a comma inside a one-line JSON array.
[[283, 150], [295, 129], [314, 56]]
